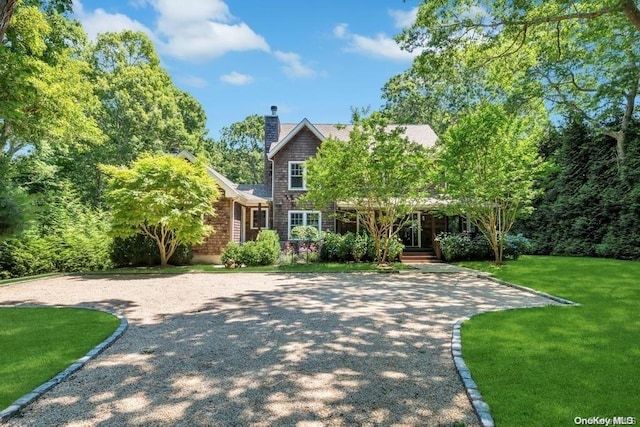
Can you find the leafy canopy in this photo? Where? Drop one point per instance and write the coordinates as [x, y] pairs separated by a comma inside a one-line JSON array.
[[239, 153], [378, 175], [164, 197], [489, 161], [583, 56]]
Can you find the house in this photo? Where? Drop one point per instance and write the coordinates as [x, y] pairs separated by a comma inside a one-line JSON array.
[[243, 210]]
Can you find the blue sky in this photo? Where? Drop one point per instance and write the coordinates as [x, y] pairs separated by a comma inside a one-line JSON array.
[[313, 59]]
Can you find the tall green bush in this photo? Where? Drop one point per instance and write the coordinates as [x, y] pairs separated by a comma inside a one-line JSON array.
[[590, 201], [265, 250], [64, 236]]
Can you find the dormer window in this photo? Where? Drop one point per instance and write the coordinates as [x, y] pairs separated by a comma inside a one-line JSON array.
[[296, 176]]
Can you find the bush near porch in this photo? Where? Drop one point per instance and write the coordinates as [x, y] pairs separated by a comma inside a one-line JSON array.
[[474, 247], [350, 247], [265, 250]]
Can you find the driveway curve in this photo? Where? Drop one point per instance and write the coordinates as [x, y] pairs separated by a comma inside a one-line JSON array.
[[240, 349]]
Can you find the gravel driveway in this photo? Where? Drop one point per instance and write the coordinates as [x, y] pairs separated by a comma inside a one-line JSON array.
[[360, 349]]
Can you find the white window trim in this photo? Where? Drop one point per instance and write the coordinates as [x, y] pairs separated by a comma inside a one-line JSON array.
[[304, 178], [266, 226], [304, 220]]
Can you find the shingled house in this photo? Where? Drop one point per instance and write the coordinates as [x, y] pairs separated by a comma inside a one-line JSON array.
[[243, 210]]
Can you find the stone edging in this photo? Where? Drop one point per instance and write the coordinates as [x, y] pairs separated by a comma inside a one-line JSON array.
[[19, 404], [480, 407]]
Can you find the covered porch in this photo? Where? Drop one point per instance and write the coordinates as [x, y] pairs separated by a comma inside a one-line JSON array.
[[417, 233]]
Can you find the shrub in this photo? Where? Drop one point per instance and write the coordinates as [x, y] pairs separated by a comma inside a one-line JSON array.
[[333, 247], [462, 246], [65, 237], [265, 250], [395, 248], [141, 251], [361, 243], [514, 246], [232, 254], [346, 247], [26, 256], [269, 246]]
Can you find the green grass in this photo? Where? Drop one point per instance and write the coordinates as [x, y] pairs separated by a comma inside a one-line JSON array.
[[24, 279], [38, 343], [546, 366], [321, 267]]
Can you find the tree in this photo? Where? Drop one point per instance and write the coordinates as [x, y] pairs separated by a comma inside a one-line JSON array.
[[164, 197], [489, 161], [584, 55], [7, 8], [584, 207], [45, 94], [239, 154], [142, 110], [379, 174], [139, 110]]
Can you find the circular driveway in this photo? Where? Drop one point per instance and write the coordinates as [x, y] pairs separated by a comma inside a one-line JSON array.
[[244, 349]]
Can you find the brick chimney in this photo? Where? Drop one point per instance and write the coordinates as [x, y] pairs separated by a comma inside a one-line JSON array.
[[271, 135]]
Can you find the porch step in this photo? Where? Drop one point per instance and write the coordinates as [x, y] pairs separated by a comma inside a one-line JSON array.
[[419, 258]]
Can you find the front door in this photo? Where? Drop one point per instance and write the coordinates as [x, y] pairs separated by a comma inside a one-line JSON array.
[[409, 234], [426, 224]]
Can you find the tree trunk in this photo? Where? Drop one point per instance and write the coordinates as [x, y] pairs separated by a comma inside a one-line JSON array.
[[6, 12], [163, 254], [632, 13]]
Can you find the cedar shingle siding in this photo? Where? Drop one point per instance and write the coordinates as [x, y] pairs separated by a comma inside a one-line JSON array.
[[215, 242], [302, 146]]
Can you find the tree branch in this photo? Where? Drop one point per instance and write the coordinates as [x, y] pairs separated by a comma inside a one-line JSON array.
[[632, 13]]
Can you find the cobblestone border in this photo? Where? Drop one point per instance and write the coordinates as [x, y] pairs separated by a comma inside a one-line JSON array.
[[480, 406], [23, 401]]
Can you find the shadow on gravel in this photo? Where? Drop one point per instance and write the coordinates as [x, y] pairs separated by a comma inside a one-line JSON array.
[[318, 350]]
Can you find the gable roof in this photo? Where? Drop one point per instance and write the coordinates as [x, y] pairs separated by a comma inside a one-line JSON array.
[[421, 134], [243, 193], [305, 123]]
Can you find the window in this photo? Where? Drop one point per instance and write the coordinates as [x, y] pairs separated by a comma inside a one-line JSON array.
[[296, 176], [259, 220], [311, 218]]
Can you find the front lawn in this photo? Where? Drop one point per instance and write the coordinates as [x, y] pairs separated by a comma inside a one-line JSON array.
[[38, 343], [547, 366]]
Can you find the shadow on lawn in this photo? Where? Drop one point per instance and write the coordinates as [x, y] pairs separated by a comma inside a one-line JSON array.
[[370, 350]]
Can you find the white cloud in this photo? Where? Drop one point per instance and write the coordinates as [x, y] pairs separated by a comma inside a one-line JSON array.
[[99, 21], [194, 81], [203, 30], [199, 31], [340, 31], [235, 78], [381, 46], [293, 65], [403, 18]]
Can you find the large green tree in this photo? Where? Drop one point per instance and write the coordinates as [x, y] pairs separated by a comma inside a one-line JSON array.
[[489, 162], [163, 197], [583, 56], [46, 96], [378, 176], [140, 111], [239, 153]]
